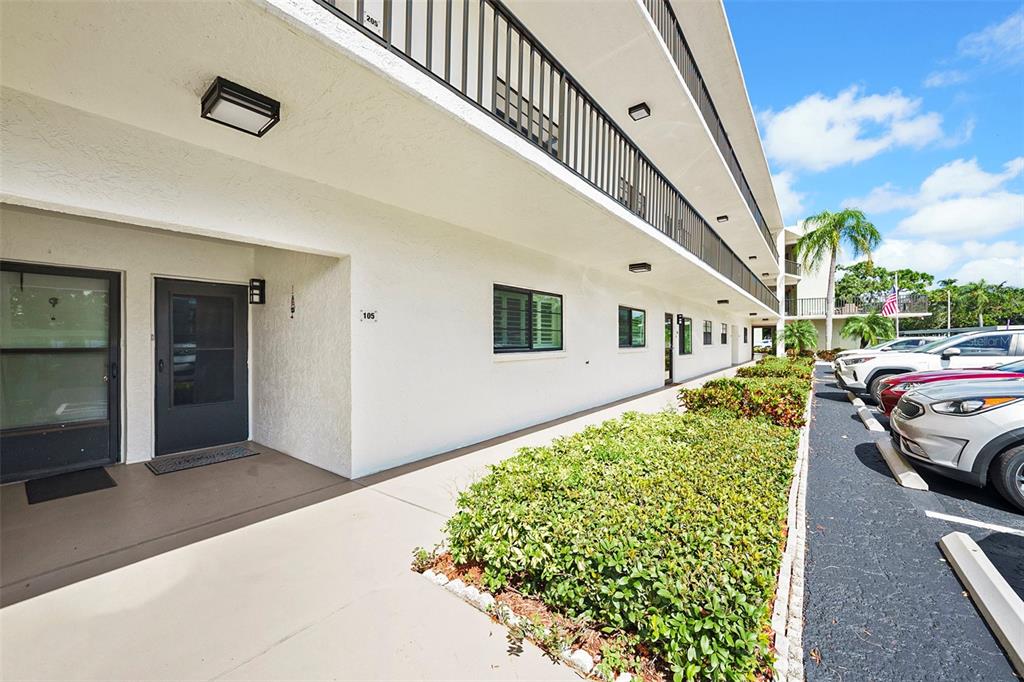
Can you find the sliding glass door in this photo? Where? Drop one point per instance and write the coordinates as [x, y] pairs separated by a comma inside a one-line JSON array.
[[58, 369]]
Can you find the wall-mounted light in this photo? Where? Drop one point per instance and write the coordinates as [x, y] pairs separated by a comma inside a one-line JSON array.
[[751, 257], [723, 301], [240, 108], [638, 112], [722, 219], [753, 314], [257, 291], [766, 274], [639, 267]]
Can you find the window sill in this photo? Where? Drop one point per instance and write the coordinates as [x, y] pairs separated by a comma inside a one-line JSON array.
[[530, 355], [642, 349]]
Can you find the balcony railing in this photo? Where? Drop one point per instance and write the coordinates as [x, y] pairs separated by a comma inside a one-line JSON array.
[[816, 307], [480, 50], [668, 26], [793, 268]]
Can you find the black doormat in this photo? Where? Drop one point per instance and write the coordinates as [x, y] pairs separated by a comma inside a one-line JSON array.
[[169, 463], [66, 485]]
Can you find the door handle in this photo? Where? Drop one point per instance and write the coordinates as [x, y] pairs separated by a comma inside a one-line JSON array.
[[160, 365]]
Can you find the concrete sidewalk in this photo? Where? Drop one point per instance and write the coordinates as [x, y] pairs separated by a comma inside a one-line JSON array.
[[323, 592]]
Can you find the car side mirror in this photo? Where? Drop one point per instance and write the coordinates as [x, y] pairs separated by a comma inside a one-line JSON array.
[[950, 352]]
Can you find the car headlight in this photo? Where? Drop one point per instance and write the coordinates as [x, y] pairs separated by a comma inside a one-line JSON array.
[[854, 361], [971, 405], [906, 386]]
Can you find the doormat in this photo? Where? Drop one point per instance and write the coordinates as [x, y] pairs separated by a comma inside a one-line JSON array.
[[66, 485], [169, 464]]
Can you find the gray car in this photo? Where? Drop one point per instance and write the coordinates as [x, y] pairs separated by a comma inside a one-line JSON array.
[[972, 431]]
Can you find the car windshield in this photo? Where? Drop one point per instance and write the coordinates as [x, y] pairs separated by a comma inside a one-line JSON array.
[[876, 346], [1017, 366], [937, 344]]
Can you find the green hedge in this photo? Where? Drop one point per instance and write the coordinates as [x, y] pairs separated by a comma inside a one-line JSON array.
[[665, 527], [780, 400], [798, 368]]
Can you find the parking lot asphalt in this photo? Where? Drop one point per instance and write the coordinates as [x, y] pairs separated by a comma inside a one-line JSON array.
[[881, 603]]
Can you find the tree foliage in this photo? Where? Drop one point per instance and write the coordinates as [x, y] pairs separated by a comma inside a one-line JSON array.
[[800, 335], [865, 279], [869, 329]]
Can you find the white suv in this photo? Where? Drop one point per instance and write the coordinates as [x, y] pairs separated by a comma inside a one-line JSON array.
[[904, 343], [864, 373]]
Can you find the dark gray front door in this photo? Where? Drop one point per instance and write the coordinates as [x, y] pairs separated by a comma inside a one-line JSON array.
[[202, 382], [59, 351]]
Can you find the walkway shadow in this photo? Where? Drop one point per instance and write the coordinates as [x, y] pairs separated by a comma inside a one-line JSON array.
[[868, 455], [1006, 552]]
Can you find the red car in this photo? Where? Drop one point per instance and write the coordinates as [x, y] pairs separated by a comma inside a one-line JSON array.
[[895, 386]]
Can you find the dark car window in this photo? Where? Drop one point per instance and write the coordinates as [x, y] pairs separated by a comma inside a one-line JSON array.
[[1017, 366], [903, 345], [992, 344]]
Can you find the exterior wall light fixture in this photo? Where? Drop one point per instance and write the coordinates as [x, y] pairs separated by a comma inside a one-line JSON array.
[[638, 112], [723, 301], [639, 267], [722, 219], [240, 108], [257, 291]]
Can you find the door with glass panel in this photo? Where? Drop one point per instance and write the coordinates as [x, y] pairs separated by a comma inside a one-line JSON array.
[[202, 382], [59, 350]]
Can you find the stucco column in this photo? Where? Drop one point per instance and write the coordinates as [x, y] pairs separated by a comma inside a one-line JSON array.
[[780, 293]]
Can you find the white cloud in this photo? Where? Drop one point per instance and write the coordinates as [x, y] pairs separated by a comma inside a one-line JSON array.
[[967, 262], [1001, 43], [957, 218], [791, 202], [818, 132], [941, 79], [926, 255], [957, 199], [994, 270]]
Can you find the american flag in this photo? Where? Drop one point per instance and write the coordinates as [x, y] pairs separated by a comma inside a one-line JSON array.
[[892, 304]]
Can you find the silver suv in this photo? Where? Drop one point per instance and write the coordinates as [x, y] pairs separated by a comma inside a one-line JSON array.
[[972, 431]]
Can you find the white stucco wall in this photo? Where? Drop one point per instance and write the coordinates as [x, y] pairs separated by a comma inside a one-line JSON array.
[[301, 362]]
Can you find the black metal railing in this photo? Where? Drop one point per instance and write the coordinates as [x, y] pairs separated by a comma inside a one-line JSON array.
[[816, 307], [793, 268], [480, 50], [668, 26]]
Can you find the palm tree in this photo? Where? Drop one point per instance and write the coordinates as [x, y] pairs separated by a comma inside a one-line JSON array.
[[870, 329], [800, 335], [976, 294], [826, 233]]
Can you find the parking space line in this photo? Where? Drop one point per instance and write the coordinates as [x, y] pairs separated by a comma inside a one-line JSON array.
[[976, 524]]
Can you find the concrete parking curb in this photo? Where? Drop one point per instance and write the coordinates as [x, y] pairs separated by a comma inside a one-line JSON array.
[[787, 614], [999, 605], [901, 470], [864, 413]]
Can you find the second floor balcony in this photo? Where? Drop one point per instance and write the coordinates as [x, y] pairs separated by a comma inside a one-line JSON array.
[[910, 305], [793, 268], [479, 49]]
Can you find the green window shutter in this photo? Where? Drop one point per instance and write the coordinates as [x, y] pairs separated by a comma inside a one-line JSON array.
[[547, 322], [639, 329], [510, 319]]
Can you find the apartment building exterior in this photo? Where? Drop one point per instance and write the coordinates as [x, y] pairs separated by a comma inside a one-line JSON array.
[[802, 293], [453, 220]]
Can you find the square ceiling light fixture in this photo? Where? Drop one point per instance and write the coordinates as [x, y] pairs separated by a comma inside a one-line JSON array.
[[639, 267], [240, 108], [639, 112], [722, 219]]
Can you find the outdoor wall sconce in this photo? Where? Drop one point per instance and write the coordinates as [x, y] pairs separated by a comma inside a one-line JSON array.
[[639, 267], [257, 291], [639, 112], [240, 108], [722, 219], [751, 257], [723, 301], [766, 274], [753, 314]]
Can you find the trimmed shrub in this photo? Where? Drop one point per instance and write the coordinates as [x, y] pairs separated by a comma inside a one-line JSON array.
[[780, 400], [829, 355], [798, 368], [666, 528]]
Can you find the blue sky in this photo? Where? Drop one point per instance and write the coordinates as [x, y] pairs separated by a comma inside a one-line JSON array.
[[912, 111]]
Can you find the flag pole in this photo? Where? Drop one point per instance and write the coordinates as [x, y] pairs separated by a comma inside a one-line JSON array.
[[897, 287]]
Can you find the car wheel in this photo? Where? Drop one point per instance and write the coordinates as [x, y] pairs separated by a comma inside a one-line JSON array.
[[1007, 475], [875, 388]]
